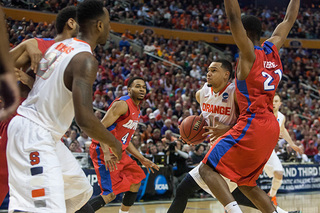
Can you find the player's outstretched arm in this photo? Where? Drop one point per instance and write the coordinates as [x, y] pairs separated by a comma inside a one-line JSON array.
[[25, 53], [285, 135], [8, 87], [239, 34], [282, 30], [144, 161], [79, 77]]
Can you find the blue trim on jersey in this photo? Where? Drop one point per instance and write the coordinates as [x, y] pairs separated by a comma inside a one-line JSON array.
[[242, 86], [112, 127], [47, 39], [267, 47], [124, 98], [225, 144], [106, 183], [258, 48]]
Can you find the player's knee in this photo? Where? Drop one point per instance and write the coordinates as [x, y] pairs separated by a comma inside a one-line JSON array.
[[135, 187], [278, 175], [108, 198], [129, 198]]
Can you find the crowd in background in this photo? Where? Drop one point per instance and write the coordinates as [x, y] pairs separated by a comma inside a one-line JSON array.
[[192, 15], [171, 91]]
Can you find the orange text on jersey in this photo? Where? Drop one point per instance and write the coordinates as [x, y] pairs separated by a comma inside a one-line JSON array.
[[64, 48], [216, 109]]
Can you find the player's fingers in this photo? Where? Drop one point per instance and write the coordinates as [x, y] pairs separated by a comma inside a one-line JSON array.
[[207, 133], [156, 167], [208, 127]]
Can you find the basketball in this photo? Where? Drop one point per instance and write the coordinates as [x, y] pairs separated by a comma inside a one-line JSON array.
[[191, 129]]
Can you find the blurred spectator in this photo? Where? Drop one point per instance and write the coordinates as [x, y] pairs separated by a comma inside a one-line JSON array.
[[166, 126], [156, 135], [75, 146], [317, 156], [73, 137], [198, 154], [83, 138], [97, 102], [311, 150], [152, 122], [168, 137], [124, 43]]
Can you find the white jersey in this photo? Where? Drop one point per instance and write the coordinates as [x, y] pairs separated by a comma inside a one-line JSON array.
[[50, 103], [280, 118], [219, 105]]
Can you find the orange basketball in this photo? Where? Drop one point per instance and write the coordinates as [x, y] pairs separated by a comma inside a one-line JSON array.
[[191, 129]]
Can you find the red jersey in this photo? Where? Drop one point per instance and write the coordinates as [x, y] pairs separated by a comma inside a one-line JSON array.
[[44, 44], [255, 93], [124, 128]]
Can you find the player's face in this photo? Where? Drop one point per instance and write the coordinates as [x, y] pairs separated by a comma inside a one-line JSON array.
[[216, 75], [138, 89], [106, 27], [276, 103]]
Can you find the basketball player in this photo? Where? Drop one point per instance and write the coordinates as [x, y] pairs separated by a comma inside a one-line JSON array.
[[9, 92], [217, 93], [64, 18], [114, 178], [43, 174], [273, 167], [242, 152], [218, 103]]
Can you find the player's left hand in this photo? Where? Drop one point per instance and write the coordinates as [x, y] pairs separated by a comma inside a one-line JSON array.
[[216, 131], [297, 149], [149, 165]]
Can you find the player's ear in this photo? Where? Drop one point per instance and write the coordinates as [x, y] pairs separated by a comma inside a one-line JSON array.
[[71, 23], [100, 26]]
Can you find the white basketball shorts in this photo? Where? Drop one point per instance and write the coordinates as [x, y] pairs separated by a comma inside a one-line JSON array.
[[273, 164], [43, 173], [198, 179]]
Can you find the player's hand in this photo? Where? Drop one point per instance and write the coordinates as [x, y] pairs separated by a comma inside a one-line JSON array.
[[110, 160], [216, 131], [24, 77], [9, 94], [149, 165], [297, 149], [116, 149], [35, 56]]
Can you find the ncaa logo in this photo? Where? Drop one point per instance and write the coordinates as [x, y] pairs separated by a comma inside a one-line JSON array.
[[225, 97], [161, 185]]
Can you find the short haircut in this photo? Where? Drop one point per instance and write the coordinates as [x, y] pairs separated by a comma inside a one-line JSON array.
[[225, 64], [63, 16], [89, 10], [131, 80], [252, 25]]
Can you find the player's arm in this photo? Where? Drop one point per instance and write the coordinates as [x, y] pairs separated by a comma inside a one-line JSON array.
[[282, 30], [240, 37], [25, 53], [9, 91], [285, 135], [144, 161], [79, 76], [198, 96]]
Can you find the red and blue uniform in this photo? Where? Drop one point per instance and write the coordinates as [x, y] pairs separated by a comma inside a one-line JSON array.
[[128, 171], [43, 45], [242, 152]]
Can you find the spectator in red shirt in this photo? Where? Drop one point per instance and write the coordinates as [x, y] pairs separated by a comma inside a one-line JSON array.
[[311, 150]]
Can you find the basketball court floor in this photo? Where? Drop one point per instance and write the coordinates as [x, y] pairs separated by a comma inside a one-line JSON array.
[[306, 202]]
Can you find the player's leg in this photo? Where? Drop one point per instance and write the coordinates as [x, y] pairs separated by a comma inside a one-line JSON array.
[[104, 180], [274, 169], [186, 188], [35, 175], [219, 188], [129, 197], [4, 188], [76, 185], [259, 198], [131, 176]]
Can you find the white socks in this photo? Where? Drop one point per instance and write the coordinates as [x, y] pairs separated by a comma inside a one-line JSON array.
[[276, 183], [280, 210], [233, 207], [120, 211]]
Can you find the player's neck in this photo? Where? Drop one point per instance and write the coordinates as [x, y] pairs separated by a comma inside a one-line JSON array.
[[221, 87], [275, 113], [135, 101], [88, 38], [62, 36]]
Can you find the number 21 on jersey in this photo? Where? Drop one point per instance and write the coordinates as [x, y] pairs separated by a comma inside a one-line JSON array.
[[267, 83]]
